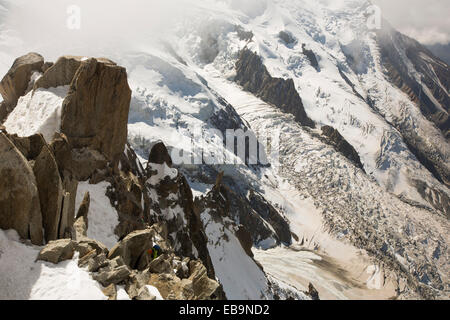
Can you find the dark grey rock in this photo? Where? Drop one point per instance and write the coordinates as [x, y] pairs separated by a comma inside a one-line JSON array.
[[253, 76]]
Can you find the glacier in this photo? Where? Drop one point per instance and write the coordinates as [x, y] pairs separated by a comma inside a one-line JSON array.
[[377, 232]]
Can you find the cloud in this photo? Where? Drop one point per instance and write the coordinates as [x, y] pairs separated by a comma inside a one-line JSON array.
[[108, 26], [105, 25], [426, 21], [252, 8]]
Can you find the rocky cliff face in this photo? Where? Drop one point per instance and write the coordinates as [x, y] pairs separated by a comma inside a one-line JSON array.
[[425, 79], [95, 111], [246, 207], [173, 203], [253, 76], [335, 138], [19, 204], [230, 243], [430, 91], [17, 81]]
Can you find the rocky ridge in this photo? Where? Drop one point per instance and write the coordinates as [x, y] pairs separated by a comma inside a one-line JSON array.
[[154, 204], [41, 185], [253, 76]]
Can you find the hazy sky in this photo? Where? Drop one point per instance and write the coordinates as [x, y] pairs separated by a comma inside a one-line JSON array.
[[426, 21]]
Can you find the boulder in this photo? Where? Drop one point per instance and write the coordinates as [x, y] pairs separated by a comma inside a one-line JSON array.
[[204, 287], [84, 248], [172, 288], [116, 262], [160, 265], [57, 251], [50, 192], [86, 245], [15, 83], [108, 275], [182, 268], [19, 197], [93, 262], [136, 281], [133, 246], [59, 74], [111, 292], [86, 258], [95, 111], [144, 294]]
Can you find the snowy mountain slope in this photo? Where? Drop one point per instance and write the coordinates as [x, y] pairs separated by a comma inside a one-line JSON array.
[[441, 51], [332, 33], [354, 207], [359, 122], [329, 100], [102, 216], [226, 255], [41, 280], [418, 73], [387, 221]]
